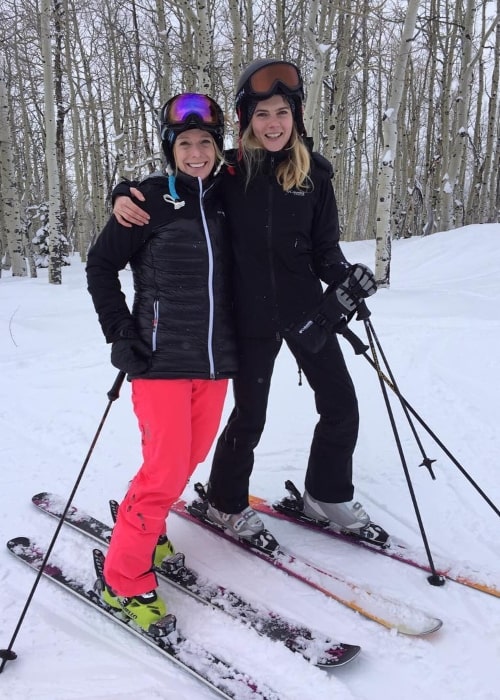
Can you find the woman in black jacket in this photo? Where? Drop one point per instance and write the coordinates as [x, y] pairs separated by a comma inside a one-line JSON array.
[[283, 221], [177, 344]]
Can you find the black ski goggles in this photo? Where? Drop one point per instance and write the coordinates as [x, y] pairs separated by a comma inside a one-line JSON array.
[[192, 108], [265, 81]]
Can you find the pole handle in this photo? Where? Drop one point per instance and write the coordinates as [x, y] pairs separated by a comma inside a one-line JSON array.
[[114, 392]]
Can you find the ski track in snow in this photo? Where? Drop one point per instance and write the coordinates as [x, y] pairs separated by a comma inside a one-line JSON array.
[[439, 325]]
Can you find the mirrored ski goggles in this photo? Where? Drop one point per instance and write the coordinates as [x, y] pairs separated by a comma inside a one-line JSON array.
[[191, 107], [265, 80]]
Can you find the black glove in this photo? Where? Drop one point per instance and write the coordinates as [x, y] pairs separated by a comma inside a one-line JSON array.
[[310, 334], [339, 300], [359, 284], [130, 354]]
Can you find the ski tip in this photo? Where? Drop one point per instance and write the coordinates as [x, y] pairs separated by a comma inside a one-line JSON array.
[[340, 656], [434, 625], [437, 626], [18, 542], [40, 497]]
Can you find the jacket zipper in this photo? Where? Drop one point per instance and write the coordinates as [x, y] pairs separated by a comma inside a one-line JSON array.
[[156, 318], [270, 248], [210, 283]]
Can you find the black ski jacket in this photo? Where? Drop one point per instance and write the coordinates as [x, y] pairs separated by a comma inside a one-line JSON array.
[[183, 306], [283, 244]]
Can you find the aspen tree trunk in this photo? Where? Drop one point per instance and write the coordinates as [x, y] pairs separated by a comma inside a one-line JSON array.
[[10, 204], [94, 184], [81, 234], [28, 177], [452, 195], [488, 198], [54, 224], [479, 159], [250, 40], [237, 40], [317, 44], [165, 77], [200, 22], [60, 18], [353, 227], [376, 149], [139, 91], [454, 180], [449, 48], [390, 137], [430, 117], [279, 48], [237, 63], [338, 123]]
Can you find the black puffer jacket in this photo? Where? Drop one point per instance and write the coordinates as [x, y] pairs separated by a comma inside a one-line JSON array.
[[283, 244], [181, 268]]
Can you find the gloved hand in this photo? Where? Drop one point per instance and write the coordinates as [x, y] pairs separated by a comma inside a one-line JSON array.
[[359, 284], [129, 353], [309, 334], [339, 300]]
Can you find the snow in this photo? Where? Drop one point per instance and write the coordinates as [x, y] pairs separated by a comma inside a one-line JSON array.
[[439, 327]]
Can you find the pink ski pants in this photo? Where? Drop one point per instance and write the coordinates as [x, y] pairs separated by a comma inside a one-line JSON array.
[[178, 420]]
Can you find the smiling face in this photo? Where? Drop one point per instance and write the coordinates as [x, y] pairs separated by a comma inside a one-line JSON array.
[[272, 123], [194, 153]]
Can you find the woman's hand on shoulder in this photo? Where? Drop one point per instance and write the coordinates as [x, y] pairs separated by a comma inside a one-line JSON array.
[[127, 213]]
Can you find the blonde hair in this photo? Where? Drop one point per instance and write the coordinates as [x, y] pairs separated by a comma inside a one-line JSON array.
[[290, 173]]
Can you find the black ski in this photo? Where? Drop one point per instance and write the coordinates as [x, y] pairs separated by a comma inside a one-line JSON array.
[[313, 646], [219, 675]]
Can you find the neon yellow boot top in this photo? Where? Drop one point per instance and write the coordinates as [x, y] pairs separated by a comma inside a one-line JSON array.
[[145, 610], [163, 550]]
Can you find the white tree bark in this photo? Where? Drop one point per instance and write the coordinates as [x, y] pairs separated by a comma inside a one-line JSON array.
[[200, 21], [486, 210], [55, 233], [454, 176], [390, 135], [11, 219], [316, 41]]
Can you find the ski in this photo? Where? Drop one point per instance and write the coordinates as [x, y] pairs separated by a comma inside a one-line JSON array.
[[313, 646], [388, 612], [218, 675], [290, 509]]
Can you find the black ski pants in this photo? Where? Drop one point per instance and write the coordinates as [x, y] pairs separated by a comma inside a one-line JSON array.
[[329, 470]]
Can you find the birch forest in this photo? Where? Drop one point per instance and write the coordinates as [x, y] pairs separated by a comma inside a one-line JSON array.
[[402, 98]]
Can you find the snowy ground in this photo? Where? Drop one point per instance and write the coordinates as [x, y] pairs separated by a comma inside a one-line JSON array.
[[439, 325]]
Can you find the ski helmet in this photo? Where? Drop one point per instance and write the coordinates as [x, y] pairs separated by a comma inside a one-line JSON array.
[[189, 110], [264, 78]]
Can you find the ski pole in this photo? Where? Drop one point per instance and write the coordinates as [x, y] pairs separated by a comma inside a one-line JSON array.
[[8, 654], [363, 314], [360, 349], [434, 579]]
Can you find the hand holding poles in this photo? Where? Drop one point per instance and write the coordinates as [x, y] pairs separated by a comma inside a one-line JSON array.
[[339, 303], [357, 286], [129, 353]]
